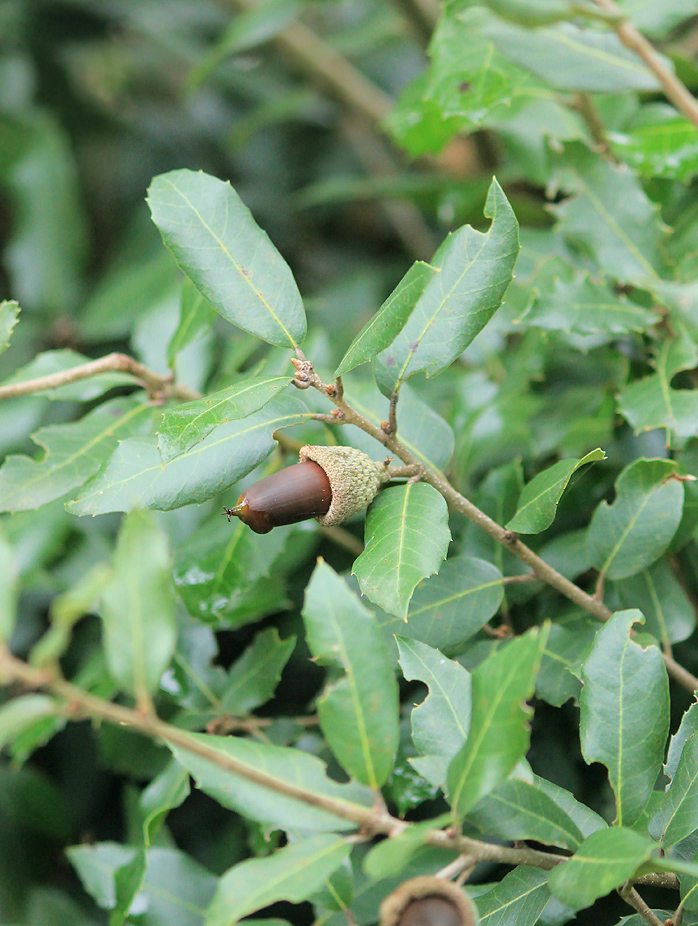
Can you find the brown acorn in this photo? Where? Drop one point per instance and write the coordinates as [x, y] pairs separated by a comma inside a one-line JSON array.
[[428, 901], [329, 484]]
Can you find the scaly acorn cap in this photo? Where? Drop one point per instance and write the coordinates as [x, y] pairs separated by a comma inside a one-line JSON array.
[[354, 477], [428, 901]]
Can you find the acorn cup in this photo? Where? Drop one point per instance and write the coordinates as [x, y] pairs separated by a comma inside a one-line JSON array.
[[428, 901], [329, 484]]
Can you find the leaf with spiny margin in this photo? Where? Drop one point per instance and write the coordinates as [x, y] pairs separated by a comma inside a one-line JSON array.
[[60, 361], [518, 900], [629, 535], [227, 256], [253, 779], [450, 607], [407, 538], [621, 677], [138, 607], [676, 813], [539, 498], [499, 726], [9, 313], [651, 403], [359, 713], [183, 426], [389, 320], [440, 723], [253, 677], [608, 216], [73, 454], [586, 306], [8, 588], [475, 270], [293, 873], [604, 861], [196, 317], [134, 476], [22, 712]]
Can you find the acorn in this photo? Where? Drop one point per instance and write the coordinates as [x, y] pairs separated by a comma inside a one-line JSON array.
[[329, 484], [428, 901]]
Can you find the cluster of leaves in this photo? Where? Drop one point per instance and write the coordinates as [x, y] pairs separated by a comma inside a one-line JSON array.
[[382, 671]]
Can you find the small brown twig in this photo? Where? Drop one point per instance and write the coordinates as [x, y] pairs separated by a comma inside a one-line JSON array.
[[631, 896]]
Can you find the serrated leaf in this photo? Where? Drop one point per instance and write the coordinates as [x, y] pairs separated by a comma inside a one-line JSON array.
[[603, 862], [539, 498], [621, 678], [227, 256], [518, 900], [73, 453], [650, 402], [406, 538], [389, 320], [196, 317], [134, 476], [450, 607], [252, 679], [474, 272], [676, 813], [359, 714], [633, 532], [183, 426], [499, 727], [441, 722], [8, 588], [9, 314], [272, 771], [293, 873], [22, 712], [138, 607]]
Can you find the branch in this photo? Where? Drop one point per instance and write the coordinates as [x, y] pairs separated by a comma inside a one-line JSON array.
[[674, 89], [631, 896], [159, 387], [508, 539]]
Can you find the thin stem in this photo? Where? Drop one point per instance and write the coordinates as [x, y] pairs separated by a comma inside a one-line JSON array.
[[159, 387], [585, 106], [674, 89], [631, 896]]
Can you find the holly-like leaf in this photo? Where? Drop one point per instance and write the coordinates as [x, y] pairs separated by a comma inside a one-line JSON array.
[[620, 678], [407, 538], [633, 532], [73, 453], [134, 476], [474, 270], [676, 813], [183, 426], [359, 713], [138, 607], [293, 873], [227, 256], [9, 313], [651, 403], [389, 320], [499, 727], [539, 499]]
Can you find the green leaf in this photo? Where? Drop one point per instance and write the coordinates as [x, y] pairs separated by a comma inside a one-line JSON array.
[[254, 779], [539, 499], [183, 426], [8, 588], [359, 714], [293, 873], [603, 862], [9, 314], [440, 723], [473, 271], [138, 607], [74, 453], [407, 537], [450, 607], [650, 402], [390, 856], [24, 711], [134, 476], [389, 320], [252, 679], [571, 58], [676, 813], [608, 216], [566, 650], [227, 256], [499, 728], [518, 900], [666, 145], [633, 532], [586, 307], [655, 17], [656, 591], [621, 678], [196, 318]]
